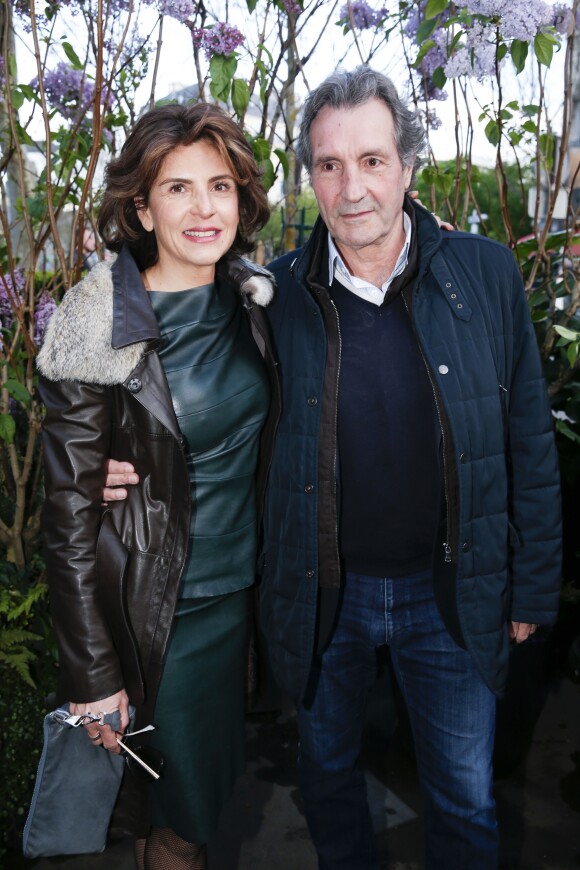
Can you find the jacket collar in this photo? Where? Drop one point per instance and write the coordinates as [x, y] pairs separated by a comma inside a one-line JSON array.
[[133, 317], [313, 258]]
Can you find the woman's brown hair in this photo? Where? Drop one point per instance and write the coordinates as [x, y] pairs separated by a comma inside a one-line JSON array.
[[130, 177]]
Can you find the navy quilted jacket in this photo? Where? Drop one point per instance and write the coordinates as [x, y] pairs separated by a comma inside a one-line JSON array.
[[498, 553]]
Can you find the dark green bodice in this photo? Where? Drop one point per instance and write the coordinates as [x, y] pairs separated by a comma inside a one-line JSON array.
[[220, 394]]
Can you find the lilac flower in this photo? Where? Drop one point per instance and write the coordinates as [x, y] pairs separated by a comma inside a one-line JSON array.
[[562, 18], [217, 39], [11, 293], [516, 19], [363, 17], [67, 90], [45, 307], [291, 7], [182, 10], [432, 119]]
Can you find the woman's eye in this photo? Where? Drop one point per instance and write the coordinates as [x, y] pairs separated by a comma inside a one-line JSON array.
[[176, 188]]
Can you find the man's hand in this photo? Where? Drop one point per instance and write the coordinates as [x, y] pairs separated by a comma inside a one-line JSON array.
[[520, 631], [119, 474]]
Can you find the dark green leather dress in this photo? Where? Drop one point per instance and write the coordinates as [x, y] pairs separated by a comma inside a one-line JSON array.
[[219, 389]]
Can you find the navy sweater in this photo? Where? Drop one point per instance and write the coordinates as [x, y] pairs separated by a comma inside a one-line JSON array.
[[388, 437]]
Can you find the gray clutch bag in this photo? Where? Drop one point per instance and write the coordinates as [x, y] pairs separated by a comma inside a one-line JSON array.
[[75, 791]]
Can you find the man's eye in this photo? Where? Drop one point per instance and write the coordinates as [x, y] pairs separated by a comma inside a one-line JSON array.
[[374, 161]]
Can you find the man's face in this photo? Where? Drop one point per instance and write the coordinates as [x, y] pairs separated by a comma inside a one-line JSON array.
[[358, 178]]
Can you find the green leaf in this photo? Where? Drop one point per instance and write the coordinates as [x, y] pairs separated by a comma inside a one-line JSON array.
[[492, 132], [505, 115], [439, 78], [502, 50], [434, 7], [268, 174], [17, 390], [261, 148], [519, 53], [23, 136], [222, 69], [530, 127], [283, 158], [7, 428], [569, 334], [544, 48], [251, 4], [572, 352], [425, 30], [17, 98], [425, 49], [514, 137], [240, 96], [72, 56], [564, 429]]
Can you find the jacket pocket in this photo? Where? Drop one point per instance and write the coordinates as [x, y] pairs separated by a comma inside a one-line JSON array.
[[112, 561]]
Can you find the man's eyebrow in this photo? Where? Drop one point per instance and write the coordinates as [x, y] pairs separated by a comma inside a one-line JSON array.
[[375, 152]]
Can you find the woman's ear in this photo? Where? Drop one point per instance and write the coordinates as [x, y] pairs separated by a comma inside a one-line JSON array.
[[143, 213]]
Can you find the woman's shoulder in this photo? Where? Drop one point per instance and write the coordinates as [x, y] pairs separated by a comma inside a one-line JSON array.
[[77, 342]]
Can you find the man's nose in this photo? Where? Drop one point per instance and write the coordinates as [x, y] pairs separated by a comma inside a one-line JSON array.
[[353, 185]]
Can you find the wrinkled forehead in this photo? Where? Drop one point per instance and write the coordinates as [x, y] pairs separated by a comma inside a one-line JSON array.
[[352, 130]]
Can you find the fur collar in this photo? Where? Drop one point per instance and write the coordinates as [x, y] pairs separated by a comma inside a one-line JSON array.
[[77, 342]]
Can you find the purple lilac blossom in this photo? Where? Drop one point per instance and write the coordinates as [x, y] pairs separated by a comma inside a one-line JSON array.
[[45, 307], [67, 90], [291, 7], [219, 39], [12, 288], [562, 18], [362, 15], [518, 19], [182, 10]]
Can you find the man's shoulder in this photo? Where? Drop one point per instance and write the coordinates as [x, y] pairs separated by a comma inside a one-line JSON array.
[[283, 264]]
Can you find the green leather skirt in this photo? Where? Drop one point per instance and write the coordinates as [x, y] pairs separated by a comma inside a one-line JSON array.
[[200, 715]]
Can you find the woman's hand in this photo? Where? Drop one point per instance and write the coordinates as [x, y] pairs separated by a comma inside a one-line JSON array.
[[444, 225], [99, 734]]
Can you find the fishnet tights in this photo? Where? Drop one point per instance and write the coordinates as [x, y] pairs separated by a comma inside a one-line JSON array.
[[164, 850]]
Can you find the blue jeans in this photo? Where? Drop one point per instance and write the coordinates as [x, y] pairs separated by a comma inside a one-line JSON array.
[[452, 715]]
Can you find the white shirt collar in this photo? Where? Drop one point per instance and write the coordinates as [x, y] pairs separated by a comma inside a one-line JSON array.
[[337, 269]]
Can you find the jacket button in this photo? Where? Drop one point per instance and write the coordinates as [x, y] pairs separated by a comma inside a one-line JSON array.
[[312, 400], [309, 573], [134, 385], [466, 547], [443, 369], [464, 458], [309, 488]]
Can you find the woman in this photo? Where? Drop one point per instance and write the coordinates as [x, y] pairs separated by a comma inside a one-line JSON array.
[[159, 359]]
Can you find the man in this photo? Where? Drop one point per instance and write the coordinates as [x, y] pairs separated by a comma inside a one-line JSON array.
[[413, 494]]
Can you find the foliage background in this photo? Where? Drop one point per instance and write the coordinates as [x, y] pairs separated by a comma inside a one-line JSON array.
[[505, 73]]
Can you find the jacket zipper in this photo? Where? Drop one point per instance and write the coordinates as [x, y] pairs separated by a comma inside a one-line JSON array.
[[336, 432], [447, 544]]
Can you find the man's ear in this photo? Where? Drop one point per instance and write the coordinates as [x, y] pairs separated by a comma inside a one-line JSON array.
[[143, 213], [408, 173]]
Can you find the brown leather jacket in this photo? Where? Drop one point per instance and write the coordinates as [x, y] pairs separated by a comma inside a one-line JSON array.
[[114, 571]]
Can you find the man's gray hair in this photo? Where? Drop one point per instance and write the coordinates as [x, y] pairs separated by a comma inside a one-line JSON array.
[[344, 89]]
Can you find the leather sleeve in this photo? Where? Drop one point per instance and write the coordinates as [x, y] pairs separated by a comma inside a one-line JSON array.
[[76, 439]]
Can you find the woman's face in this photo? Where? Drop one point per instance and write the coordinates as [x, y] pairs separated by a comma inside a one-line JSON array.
[[193, 211]]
